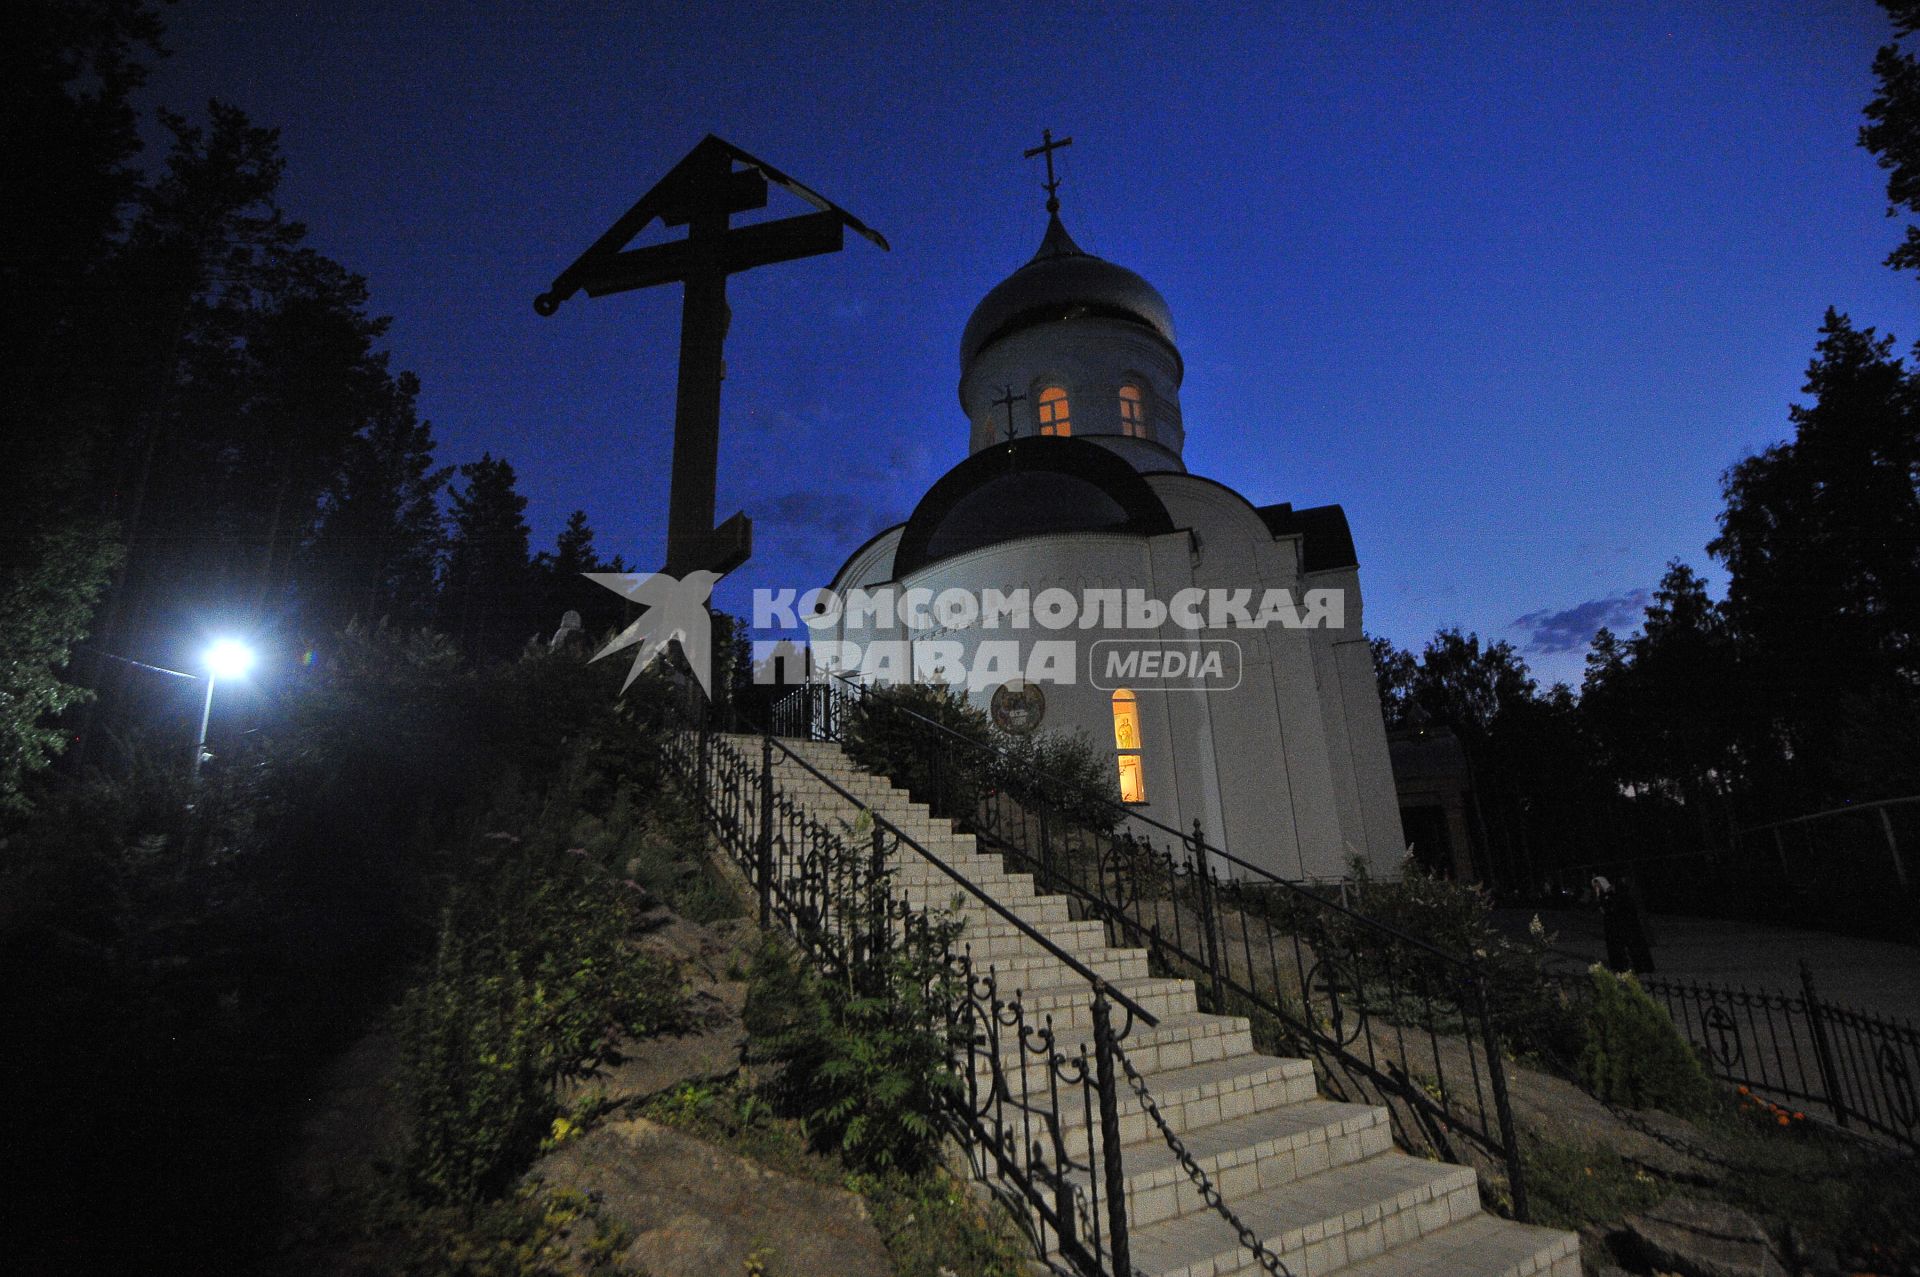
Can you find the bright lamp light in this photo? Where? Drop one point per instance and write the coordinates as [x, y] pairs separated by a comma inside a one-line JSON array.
[[229, 659]]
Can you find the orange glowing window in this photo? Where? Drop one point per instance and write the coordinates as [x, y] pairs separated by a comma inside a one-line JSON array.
[[1133, 413], [1126, 743], [1053, 412]]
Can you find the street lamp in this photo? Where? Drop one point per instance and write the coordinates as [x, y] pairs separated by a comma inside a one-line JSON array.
[[229, 659]]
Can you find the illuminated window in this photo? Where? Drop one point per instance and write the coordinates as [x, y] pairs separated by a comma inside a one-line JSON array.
[[1053, 412], [1133, 413], [1126, 742]]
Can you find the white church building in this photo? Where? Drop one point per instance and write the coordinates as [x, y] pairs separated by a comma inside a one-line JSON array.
[[1074, 480]]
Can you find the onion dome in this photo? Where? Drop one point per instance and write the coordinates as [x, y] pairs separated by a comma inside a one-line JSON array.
[[1063, 281]]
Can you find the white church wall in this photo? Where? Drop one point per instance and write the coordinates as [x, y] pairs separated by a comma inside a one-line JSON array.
[[1091, 358], [1373, 766]]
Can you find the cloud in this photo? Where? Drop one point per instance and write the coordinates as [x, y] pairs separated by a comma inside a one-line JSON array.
[[1572, 628], [845, 520]]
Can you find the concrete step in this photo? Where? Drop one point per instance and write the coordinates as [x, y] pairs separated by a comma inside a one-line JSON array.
[[1195, 1037], [1199, 1096], [917, 869], [1478, 1246], [1180, 1041], [1317, 1180], [1039, 912], [1244, 1155], [988, 938], [1072, 1004], [1319, 1224], [1041, 970]]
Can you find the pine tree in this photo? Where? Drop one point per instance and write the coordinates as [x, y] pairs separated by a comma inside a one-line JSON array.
[[487, 587], [1820, 537], [380, 535]]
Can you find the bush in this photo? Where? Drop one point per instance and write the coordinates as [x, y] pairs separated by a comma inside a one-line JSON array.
[[865, 1064], [532, 982], [1526, 1009], [895, 732], [1064, 773], [1635, 1056]]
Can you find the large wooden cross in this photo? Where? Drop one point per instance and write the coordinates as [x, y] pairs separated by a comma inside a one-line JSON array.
[[702, 192]]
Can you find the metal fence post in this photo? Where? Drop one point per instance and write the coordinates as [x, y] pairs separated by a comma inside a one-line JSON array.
[[763, 853], [1502, 1103], [1209, 918], [1113, 1173], [1822, 1049], [701, 784]]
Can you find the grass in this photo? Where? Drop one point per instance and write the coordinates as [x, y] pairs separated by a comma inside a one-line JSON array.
[[931, 1223], [1572, 1185], [533, 1232]]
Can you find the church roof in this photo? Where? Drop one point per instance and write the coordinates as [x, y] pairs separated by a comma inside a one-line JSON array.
[[1033, 486], [1325, 539], [1062, 279]]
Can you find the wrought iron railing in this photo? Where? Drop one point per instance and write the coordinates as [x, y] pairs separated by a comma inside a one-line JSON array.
[[1861, 1072], [1387, 1017], [1040, 1116]]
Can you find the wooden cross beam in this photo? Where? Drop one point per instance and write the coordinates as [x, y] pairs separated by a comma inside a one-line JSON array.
[[703, 192]]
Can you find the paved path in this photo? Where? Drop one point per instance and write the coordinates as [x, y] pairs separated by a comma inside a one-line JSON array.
[[1874, 976]]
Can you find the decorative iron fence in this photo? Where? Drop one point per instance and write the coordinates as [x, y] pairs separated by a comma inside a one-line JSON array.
[[1042, 1095], [1387, 1017], [1858, 1070]]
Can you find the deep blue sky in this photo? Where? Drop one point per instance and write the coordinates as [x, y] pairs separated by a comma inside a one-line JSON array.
[[1514, 283]]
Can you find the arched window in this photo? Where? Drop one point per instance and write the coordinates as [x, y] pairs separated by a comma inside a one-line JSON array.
[[1126, 743], [1052, 405], [1133, 413]]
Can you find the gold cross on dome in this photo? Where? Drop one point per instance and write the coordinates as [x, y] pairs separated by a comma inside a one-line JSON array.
[[1047, 147]]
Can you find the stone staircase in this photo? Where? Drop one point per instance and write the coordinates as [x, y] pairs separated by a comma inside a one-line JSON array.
[[1318, 1181]]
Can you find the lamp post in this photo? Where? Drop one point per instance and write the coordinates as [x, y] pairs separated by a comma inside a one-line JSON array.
[[228, 658]]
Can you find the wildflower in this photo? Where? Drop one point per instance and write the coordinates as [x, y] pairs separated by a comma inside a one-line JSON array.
[[1743, 1090], [1537, 929], [1782, 1119], [1799, 1117]]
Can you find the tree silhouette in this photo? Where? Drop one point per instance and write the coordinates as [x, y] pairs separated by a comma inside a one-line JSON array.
[[1821, 541], [487, 585], [380, 536]]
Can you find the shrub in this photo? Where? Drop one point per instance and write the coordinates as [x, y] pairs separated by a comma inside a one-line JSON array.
[[1635, 1056], [1526, 1009], [864, 1063], [532, 982], [1064, 773], [896, 732]]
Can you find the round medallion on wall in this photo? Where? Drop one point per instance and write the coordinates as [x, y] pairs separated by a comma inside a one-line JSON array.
[[1018, 707]]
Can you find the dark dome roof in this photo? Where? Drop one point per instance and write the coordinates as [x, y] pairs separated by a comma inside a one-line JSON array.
[[1062, 279], [1030, 487]]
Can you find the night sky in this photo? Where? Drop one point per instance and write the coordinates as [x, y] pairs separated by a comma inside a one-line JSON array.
[[1512, 283]]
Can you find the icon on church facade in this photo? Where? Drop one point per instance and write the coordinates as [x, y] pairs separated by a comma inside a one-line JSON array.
[[1018, 707]]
